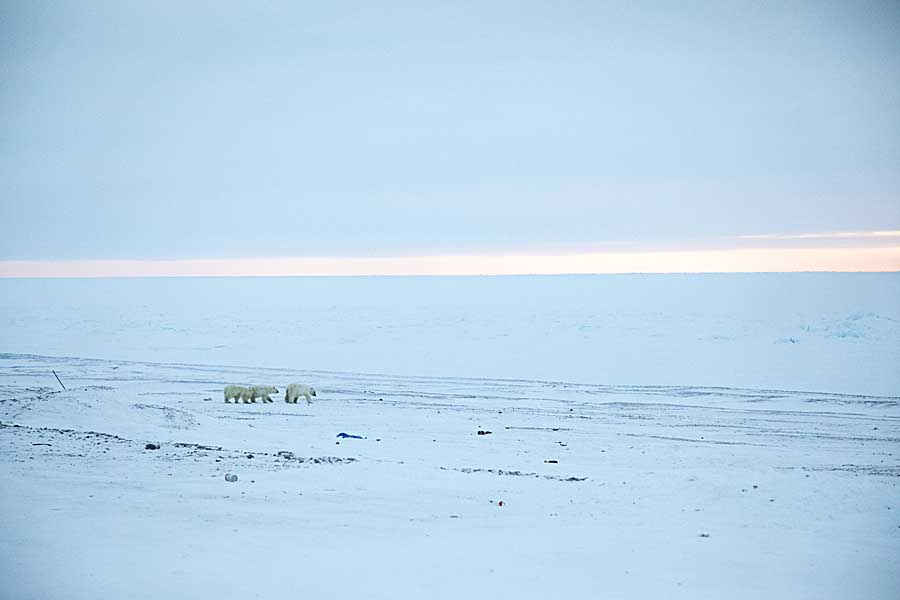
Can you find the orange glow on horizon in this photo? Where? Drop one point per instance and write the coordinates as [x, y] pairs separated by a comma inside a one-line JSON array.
[[747, 260], [834, 235]]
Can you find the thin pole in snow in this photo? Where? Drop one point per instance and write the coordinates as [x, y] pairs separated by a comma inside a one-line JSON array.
[[57, 378]]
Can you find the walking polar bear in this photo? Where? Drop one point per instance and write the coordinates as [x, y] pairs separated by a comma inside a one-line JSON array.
[[237, 392], [294, 391], [249, 394], [262, 391]]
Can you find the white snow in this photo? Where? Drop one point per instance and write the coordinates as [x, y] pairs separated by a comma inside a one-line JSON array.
[[729, 330], [760, 411]]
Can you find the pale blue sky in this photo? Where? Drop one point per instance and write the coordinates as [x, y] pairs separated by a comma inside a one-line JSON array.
[[159, 130]]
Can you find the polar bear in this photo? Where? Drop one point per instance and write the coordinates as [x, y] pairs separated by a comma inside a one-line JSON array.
[[293, 392], [262, 391], [237, 392]]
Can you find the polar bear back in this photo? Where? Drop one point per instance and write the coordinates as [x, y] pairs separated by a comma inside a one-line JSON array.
[[264, 390]]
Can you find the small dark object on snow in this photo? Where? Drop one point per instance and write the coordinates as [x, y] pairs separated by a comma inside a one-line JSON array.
[[151, 446], [40, 444], [352, 437], [755, 487], [704, 535], [58, 379], [552, 462], [249, 455], [500, 503], [484, 432], [230, 478]]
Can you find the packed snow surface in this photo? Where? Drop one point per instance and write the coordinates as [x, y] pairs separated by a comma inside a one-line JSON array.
[[677, 437], [822, 332]]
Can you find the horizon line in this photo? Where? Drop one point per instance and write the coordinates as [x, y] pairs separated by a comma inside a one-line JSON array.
[[883, 259], [825, 235]]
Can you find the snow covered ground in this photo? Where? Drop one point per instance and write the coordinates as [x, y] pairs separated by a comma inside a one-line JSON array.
[[822, 332], [684, 468]]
